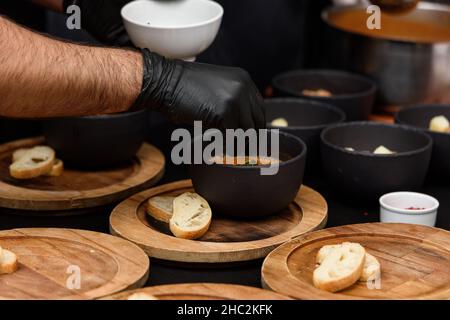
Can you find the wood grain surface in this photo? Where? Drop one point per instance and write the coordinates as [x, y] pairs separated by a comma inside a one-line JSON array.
[[49, 258], [227, 240], [77, 189], [202, 291], [415, 262]]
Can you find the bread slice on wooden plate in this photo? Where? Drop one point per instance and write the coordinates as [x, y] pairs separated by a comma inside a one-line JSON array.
[[33, 163], [371, 270], [340, 267], [8, 261], [161, 208], [191, 216], [141, 296], [57, 169], [19, 153]]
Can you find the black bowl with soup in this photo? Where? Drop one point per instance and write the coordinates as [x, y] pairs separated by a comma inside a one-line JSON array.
[[241, 190], [355, 170], [353, 94], [97, 141], [305, 119], [420, 117]]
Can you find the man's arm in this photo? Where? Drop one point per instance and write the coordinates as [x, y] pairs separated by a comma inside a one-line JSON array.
[[43, 77], [56, 5]]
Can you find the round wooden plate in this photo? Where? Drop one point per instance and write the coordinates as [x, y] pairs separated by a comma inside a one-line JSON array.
[[203, 291], [76, 189], [50, 261], [415, 262], [227, 240]]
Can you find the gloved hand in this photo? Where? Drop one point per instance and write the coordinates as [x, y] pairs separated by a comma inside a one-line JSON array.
[[102, 19], [221, 97]]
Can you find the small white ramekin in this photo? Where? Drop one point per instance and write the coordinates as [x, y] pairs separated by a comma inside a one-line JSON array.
[[393, 208]]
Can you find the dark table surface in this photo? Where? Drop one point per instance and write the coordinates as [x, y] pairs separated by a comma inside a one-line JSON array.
[[341, 212]]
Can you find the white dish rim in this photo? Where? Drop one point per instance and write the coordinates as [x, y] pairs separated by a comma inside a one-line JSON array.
[[433, 209], [187, 26]]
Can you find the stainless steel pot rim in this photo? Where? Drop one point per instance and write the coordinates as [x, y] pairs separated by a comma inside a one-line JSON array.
[[421, 5], [339, 112], [372, 87], [428, 145]]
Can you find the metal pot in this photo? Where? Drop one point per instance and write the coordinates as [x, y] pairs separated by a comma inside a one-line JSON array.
[[406, 72]]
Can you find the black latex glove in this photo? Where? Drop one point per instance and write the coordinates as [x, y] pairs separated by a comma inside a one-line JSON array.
[[221, 97], [102, 19]]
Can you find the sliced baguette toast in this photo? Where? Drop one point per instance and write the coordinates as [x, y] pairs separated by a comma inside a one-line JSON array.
[[19, 153], [340, 267], [57, 168], [141, 296], [371, 270], [161, 208], [191, 216], [33, 163], [8, 262]]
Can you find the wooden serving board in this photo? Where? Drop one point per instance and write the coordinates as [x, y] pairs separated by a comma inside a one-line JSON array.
[[227, 240], [77, 189], [50, 259], [203, 291], [415, 262]]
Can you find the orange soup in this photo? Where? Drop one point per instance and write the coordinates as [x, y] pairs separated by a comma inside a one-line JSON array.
[[411, 27]]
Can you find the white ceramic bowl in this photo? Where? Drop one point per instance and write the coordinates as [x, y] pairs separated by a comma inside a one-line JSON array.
[[394, 208], [179, 29]]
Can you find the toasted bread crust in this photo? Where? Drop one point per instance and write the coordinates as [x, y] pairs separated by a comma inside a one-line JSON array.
[[57, 169], [10, 266], [179, 232], [371, 270], [191, 216], [19, 153], [141, 296], [26, 167], [22, 174], [340, 266], [155, 210]]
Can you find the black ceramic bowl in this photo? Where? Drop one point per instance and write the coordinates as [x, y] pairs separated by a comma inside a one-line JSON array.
[[306, 120], [420, 117], [362, 174], [242, 192], [353, 94], [97, 141]]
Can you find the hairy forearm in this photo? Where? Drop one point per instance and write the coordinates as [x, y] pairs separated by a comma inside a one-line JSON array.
[[42, 77], [56, 5]]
